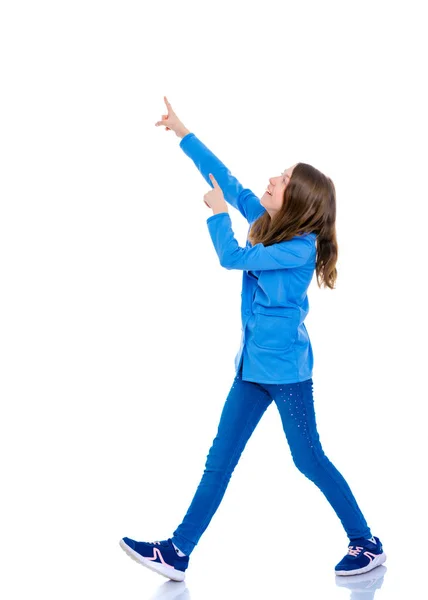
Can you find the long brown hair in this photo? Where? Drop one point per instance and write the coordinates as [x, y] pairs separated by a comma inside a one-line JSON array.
[[309, 207]]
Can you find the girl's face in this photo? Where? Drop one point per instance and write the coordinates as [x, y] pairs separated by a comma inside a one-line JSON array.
[[273, 198]]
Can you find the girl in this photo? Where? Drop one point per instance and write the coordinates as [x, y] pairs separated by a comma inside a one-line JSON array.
[[292, 234]]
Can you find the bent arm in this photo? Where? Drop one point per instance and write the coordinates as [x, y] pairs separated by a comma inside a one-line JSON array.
[[243, 199], [284, 255]]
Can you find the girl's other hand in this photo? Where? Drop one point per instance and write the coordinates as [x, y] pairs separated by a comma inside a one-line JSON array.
[[215, 198]]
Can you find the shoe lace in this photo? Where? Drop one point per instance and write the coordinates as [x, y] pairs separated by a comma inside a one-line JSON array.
[[157, 542], [354, 550]]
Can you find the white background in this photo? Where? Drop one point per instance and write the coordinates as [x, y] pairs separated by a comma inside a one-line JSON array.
[[119, 327]]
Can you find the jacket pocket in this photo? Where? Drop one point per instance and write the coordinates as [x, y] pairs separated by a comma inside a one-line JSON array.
[[274, 332]]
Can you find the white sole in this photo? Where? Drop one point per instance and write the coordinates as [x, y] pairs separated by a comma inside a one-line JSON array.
[[168, 572], [375, 563]]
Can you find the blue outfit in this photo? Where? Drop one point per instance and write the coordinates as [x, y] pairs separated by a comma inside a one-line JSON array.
[[275, 279], [243, 409], [274, 362]]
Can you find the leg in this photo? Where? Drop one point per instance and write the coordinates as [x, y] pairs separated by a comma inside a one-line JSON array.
[[243, 409], [296, 407]]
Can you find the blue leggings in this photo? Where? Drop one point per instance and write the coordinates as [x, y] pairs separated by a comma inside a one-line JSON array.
[[243, 409]]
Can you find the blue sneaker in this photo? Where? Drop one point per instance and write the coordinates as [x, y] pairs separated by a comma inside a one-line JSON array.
[[363, 555], [159, 556]]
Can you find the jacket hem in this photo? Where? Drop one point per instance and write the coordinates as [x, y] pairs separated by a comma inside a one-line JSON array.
[[277, 382]]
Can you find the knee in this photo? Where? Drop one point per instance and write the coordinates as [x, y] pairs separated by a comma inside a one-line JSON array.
[[309, 461], [219, 463]]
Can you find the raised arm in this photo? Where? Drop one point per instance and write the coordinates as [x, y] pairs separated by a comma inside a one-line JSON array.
[[239, 197], [243, 199]]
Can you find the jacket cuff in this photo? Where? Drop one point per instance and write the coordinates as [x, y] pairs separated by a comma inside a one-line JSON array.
[[185, 138], [217, 215]]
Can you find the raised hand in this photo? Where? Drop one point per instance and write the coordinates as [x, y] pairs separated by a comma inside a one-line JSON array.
[[172, 122]]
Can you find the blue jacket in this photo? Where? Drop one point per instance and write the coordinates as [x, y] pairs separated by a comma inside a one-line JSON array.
[[275, 345]]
